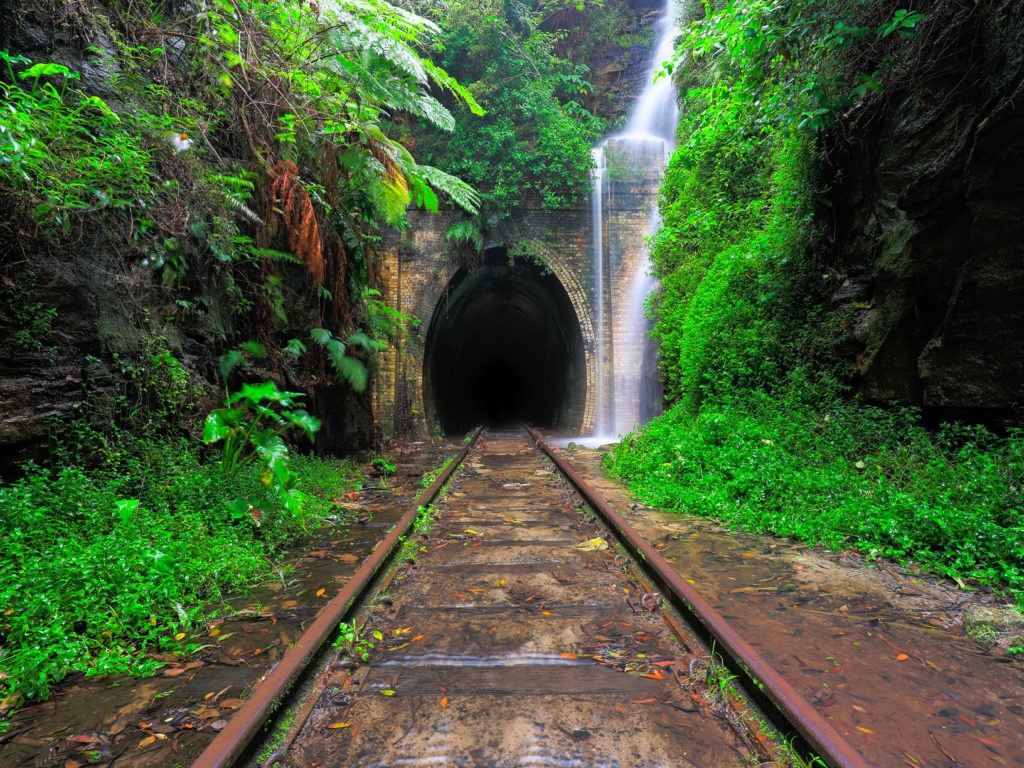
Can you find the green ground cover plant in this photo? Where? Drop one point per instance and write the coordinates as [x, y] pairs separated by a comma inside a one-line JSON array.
[[764, 433], [845, 476], [103, 565]]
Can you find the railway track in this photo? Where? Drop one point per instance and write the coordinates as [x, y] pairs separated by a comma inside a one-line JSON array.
[[520, 629]]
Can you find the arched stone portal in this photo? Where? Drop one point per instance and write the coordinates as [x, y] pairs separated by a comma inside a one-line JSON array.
[[422, 271], [504, 343]]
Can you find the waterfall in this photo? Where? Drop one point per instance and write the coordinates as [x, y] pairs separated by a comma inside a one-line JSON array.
[[635, 156], [601, 420], [655, 112]]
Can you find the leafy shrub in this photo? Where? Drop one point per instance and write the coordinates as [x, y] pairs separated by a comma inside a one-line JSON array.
[[844, 476], [65, 151], [536, 136], [101, 567]]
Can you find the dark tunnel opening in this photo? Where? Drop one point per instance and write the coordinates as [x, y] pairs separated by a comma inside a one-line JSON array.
[[505, 344]]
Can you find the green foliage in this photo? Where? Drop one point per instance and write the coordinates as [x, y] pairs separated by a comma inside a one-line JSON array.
[[842, 475], [353, 643], [64, 152], [536, 136], [251, 427], [761, 436], [347, 368], [382, 322], [466, 231], [245, 137], [761, 78], [102, 567], [28, 322], [338, 70], [160, 390]]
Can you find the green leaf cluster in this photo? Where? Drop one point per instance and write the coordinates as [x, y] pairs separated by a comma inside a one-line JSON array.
[[252, 428], [64, 152], [103, 567], [535, 139]]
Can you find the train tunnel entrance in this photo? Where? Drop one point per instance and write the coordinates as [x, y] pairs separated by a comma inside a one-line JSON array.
[[505, 344]]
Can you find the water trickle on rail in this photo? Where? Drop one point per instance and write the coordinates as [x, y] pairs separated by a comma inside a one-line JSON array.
[[624, 396]]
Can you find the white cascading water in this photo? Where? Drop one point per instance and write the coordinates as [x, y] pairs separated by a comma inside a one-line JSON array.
[[601, 420], [621, 363]]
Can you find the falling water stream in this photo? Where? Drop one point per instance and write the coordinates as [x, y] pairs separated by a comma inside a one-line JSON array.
[[642, 148]]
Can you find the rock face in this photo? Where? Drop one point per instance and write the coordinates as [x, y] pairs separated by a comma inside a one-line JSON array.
[[929, 230], [89, 332]]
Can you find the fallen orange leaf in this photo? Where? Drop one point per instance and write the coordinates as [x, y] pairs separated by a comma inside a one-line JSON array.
[[865, 730], [655, 675], [444, 702], [320, 592], [902, 657], [643, 701], [340, 725], [567, 655]]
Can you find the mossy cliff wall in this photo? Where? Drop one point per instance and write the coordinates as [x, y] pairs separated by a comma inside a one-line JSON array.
[[928, 198]]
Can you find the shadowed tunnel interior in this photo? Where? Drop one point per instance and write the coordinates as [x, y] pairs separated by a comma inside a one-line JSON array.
[[505, 344]]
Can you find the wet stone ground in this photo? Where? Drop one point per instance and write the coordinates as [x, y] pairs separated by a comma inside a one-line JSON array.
[[167, 720], [510, 644], [879, 649]]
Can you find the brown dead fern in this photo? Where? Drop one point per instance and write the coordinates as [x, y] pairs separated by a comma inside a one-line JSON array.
[[299, 218]]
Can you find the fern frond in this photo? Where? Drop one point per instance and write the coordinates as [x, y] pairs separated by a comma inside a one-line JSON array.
[[461, 193], [367, 342], [235, 204], [467, 230], [443, 79], [336, 353], [275, 255], [391, 190], [299, 218], [321, 336], [353, 371], [348, 369]]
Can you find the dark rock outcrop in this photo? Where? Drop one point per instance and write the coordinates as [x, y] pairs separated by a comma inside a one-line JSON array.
[[928, 268]]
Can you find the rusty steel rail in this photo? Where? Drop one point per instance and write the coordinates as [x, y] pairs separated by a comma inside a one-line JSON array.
[[787, 709], [232, 743]]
